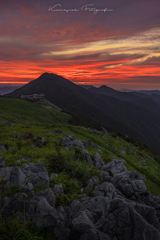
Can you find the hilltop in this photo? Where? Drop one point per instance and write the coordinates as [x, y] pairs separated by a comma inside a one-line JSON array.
[[104, 166], [129, 118]]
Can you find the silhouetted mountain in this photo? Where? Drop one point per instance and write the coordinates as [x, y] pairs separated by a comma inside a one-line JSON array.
[[120, 116], [113, 93], [150, 92], [139, 99], [86, 86]]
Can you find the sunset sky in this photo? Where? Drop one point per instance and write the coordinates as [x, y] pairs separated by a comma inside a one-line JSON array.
[[118, 46]]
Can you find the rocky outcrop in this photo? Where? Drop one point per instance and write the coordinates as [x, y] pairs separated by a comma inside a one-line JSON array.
[[98, 160], [36, 173], [120, 209]]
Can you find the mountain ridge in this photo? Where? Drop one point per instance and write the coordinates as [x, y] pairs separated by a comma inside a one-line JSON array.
[[120, 116]]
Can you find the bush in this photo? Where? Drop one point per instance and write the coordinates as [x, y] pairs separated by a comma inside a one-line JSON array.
[[70, 185]]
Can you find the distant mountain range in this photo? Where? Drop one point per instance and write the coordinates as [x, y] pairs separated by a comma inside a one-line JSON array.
[[132, 114], [5, 90]]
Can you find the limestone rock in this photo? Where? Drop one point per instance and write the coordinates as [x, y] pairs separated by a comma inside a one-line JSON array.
[[2, 163], [58, 188], [36, 173], [98, 160], [91, 183], [87, 156], [114, 167]]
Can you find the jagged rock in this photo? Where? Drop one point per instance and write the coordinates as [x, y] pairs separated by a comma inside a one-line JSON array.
[[124, 223], [82, 228], [14, 176], [148, 213], [87, 156], [107, 189], [43, 140], [58, 188], [52, 175], [96, 146], [58, 131], [49, 195], [9, 123], [41, 212], [122, 152], [36, 173], [129, 183], [91, 183], [2, 148], [18, 136], [106, 176], [88, 143], [78, 143], [2, 163], [24, 159], [122, 160], [104, 130], [66, 143], [98, 160], [114, 167], [71, 136]]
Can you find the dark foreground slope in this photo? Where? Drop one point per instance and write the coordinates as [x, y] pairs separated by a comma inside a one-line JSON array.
[[120, 116]]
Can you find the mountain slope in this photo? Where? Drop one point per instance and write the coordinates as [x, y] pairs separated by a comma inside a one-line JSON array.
[[120, 116]]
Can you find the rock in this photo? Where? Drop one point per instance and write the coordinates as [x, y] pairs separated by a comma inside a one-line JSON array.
[[49, 195], [28, 159], [9, 123], [2, 148], [51, 132], [106, 176], [66, 143], [14, 176], [78, 143], [18, 136], [2, 163], [114, 167], [122, 160], [98, 160], [135, 151], [36, 173], [71, 136], [91, 183], [58, 131], [107, 189], [104, 130], [87, 156], [41, 212], [124, 223], [88, 143], [129, 183], [52, 175], [96, 146], [122, 152], [58, 188], [82, 228], [43, 140]]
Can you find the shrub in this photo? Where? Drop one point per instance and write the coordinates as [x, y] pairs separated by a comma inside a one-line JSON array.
[[70, 185]]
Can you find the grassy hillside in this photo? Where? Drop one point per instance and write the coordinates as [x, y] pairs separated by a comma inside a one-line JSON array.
[[38, 121], [33, 121], [120, 116]]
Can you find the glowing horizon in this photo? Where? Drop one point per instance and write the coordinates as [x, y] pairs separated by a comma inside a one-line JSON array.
[[120, 49]]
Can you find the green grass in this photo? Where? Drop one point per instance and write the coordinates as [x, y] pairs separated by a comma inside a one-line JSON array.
[[32, 120], [39, 121]]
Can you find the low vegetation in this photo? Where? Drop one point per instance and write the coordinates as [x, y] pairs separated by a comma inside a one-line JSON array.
[[32, 122]]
